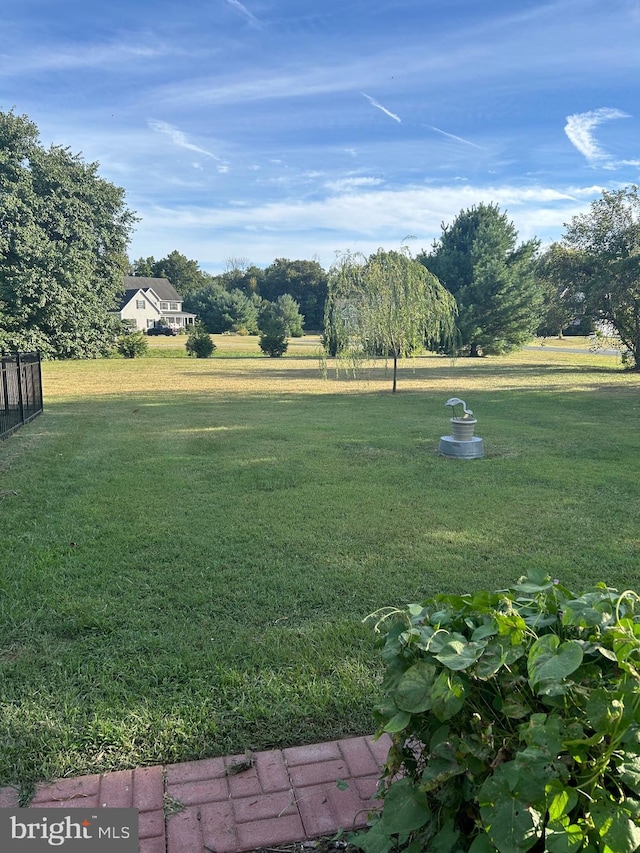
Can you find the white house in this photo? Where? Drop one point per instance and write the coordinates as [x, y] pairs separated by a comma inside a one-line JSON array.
[[145, 301]]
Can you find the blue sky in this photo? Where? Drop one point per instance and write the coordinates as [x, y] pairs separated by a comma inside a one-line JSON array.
[[288, 128]]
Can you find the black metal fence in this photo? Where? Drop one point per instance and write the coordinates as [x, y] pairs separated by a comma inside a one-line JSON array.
[[20, 390]]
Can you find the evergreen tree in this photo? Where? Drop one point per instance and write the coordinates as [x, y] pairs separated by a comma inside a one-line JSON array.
[[199, 343], [220, 310], [273, 330], [493, 281], [290, 312]]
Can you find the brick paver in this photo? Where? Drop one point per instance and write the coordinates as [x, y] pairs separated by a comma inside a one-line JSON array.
[[285, 796]]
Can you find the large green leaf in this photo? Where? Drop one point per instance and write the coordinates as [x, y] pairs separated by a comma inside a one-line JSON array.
[[375, 840], [561, 799], [448, 695], [498, 652], [414, 691], [545, 732], [398, 723], [534, 769], [405, 808], [603, 711], [446, 841], [536, 582], [552, 661], [441, 765], [619, 833], [563, 837], [458, 654], [481, 844], [511, 825], [629, 772]]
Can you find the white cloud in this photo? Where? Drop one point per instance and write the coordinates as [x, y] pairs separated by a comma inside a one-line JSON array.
[[64, 57], [359, 220], [580, 129], [345, 184], [378, 106]]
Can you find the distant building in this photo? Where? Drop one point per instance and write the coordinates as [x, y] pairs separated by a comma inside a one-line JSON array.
[[146, 301]]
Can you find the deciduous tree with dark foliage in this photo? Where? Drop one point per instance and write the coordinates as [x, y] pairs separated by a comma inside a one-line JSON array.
[[560, 275], [305, 281], [184, 274], [494, 282], [63, 238]]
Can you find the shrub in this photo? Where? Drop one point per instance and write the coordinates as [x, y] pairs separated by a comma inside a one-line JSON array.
[[199, 343], [273, 344], [273, 330], [515, 720], [132, 345]]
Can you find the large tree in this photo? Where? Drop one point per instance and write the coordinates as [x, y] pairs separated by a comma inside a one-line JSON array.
[[493, 281], [560, 275], [305, 281], [387, 304], [607, 240], [184, 274], [241, 274], [63, 239], [221, 310]]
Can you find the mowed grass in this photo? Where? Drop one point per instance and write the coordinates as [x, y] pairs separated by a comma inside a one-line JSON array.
[[190, 546]]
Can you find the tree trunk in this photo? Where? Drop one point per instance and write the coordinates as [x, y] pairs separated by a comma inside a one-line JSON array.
[[395, 373]]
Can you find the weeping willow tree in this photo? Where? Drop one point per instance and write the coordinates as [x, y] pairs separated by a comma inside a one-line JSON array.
[[385, 305]]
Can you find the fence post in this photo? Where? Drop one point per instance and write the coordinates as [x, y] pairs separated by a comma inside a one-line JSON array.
[[5, 383], [20, 394]]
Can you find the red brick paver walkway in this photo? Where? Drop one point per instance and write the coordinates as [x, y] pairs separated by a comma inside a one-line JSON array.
[[287, 795]]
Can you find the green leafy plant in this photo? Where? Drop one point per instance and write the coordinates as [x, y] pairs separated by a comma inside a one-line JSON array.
[[273, 330], [199, 343], [132, 345], [515, 720], [273, 345]]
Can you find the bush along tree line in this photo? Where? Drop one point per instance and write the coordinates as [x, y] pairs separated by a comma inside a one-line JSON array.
[[515, 721], [64, 233]]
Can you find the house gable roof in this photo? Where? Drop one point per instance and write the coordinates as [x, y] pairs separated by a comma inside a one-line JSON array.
[[136, 293], [160, 286]]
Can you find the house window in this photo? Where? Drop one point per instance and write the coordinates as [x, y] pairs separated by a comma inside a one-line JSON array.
[[140, 303], [173, 306], [164, 306]]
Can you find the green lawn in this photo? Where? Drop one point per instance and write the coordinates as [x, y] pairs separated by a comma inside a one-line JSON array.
[[190, 546]]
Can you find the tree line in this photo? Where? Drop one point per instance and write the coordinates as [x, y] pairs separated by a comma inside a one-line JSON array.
[[64, 234]]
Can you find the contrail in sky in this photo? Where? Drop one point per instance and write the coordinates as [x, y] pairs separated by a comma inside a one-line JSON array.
[[242, 8], [457, 138], [178, 137], [378, 106]]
